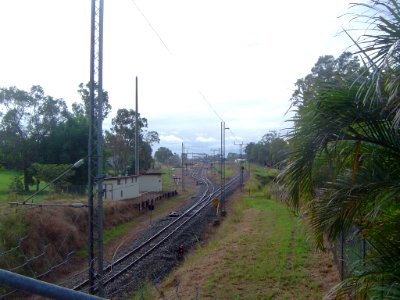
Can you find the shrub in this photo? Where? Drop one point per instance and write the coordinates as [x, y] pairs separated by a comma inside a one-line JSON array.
[[16, 185]]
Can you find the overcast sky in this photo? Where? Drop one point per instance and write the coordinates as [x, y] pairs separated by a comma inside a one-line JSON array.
[[198, 62]]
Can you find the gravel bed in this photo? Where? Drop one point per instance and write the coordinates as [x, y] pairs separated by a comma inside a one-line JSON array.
[[156, 266]]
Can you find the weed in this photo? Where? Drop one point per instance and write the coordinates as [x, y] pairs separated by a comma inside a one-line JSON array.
[[143, 292], [12, 228]]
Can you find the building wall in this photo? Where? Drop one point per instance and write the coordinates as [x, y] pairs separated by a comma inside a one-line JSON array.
[[122, 187], [150, 183]]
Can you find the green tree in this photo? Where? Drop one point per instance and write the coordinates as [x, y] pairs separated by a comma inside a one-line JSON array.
[[279, 150], [48, 172], [327, 72], [120, 142], [145, 157], [28, 118], [16, 185], [271, 150], [84, 92], [344, 162], [380, 49], [67, 143], [119, 152], [256, 153], [163, 154], [175, 160]]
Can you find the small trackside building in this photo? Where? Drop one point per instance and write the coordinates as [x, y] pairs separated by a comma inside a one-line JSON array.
[[150, 182], [121, 187]]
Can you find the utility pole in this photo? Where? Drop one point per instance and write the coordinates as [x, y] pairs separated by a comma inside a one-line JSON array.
[[100, 154], [213, 159], [90, 150], [240, 148], [183, 173], [96, 67], [137, 131], [221, 198], [222, 168], [241, 162]]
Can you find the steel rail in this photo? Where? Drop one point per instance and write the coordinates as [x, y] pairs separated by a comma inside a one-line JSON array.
[[122, 259], [205, 204], [204, 201]]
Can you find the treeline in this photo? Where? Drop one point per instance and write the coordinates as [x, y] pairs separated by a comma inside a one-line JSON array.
[[344, 162], [40, 136], [270, 151], [165, 156]]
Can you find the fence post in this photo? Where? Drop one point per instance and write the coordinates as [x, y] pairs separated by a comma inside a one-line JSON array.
[[341, 255]]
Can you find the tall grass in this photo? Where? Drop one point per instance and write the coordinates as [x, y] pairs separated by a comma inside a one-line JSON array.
[[260, 251], [269, 262]]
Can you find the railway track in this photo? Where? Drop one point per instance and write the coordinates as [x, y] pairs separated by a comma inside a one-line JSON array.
[[120, 269]]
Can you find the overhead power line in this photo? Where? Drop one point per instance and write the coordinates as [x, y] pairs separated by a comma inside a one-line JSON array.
[[170, 52], [152, 27], [209, 104]]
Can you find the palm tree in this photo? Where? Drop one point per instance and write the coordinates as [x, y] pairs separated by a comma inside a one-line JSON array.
[[379, 47], [345, 161]]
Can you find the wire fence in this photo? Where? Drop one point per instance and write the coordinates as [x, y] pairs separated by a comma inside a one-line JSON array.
[[53, 192], [32, 254], [33, 242], [49, 243], [350, 251]]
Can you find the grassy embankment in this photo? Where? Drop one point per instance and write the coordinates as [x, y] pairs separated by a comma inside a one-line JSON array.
[[161, 209], [120, 218], [261, 251]]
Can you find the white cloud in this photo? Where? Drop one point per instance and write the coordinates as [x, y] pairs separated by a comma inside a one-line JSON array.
[[170, 139], [203, 139]]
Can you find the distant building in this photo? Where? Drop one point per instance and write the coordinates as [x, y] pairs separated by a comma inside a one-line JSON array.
[[121, 187], [150, 182], [131, 186], [240, 160]]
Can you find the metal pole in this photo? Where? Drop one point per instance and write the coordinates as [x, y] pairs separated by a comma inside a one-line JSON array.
[[100, 154], [90, 150], [241, 176], [223, 160], [241, 165], [183, 173], [342, 240], [137, 131], [363, 250], [37, 287], [221, 168]]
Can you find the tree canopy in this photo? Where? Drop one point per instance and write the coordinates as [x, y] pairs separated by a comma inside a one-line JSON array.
[[28, 119], [120, 142], [163, 154], [344, 160], [39, 135], [270, 151]]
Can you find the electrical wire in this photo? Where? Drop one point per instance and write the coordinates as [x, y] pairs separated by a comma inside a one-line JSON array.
[[170, 52], [152, 27]]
